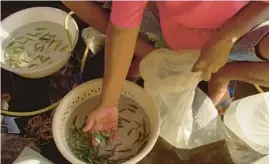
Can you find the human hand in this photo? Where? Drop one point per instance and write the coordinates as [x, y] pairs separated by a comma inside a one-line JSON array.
[[214, 55], [103, 120]]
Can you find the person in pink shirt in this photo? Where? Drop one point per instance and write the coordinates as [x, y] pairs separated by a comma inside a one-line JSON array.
[[216, 28]]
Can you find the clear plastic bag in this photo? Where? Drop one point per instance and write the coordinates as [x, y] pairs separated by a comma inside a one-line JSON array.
[[248, 118], [94, 39], [185, 123]]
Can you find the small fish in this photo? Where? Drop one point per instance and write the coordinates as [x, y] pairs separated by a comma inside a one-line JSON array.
[[46, 59], [50, 62], [25, 61], [57, 41], [29, 34], [64, 48], [20, 37], [142, 147], [40, 29], [47, 34], [33, 35], [37, 33], [31, 55], [136, 141], [26, 41], [144, 129], [44, 39], [124, 151], [36, 48], [137, 123], [32, 65], [82, 126], [16, 65], [133, 106], [99, 136], [140, 136], [124, 119], [17, 52], [108, 150], [5, 55], [19, 48], [42, 58], [104, 134], [131, 110], [38, 56], [145, 137], [130, 131], [21, 43], [122, 110], [119, 122], [57, 46], [42, 49], [52, 41], [75, 119]]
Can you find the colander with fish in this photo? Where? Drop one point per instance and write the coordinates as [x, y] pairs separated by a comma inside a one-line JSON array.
[[37, 42], [138, 126]]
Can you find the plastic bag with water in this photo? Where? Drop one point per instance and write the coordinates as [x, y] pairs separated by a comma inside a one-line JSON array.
[[185, 123]]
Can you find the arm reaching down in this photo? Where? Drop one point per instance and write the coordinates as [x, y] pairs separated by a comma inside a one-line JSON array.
[[121, 40], [120, 45], [215, 52]]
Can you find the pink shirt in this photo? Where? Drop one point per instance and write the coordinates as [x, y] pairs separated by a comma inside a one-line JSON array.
[[184, 24]]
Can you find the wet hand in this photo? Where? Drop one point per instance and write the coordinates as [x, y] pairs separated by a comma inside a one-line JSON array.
[[102, 121]]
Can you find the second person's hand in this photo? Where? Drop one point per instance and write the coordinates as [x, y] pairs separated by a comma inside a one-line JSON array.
[[214, 55]]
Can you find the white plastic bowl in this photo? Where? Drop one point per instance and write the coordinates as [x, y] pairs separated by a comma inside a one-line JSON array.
[[90, 90], [38, 14]]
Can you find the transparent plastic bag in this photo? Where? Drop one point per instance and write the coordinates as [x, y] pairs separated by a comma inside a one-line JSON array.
[[94, 39], [248, 118], [185, 123], [263, 160]]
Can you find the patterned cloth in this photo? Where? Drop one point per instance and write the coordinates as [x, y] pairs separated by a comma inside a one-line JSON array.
[[245, 49]]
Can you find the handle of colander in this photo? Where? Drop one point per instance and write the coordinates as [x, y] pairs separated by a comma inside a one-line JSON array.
[[71, 46]]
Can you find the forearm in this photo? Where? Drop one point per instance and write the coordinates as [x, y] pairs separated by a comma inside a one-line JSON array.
[[248, 18], [250, 72], [120, 45]]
